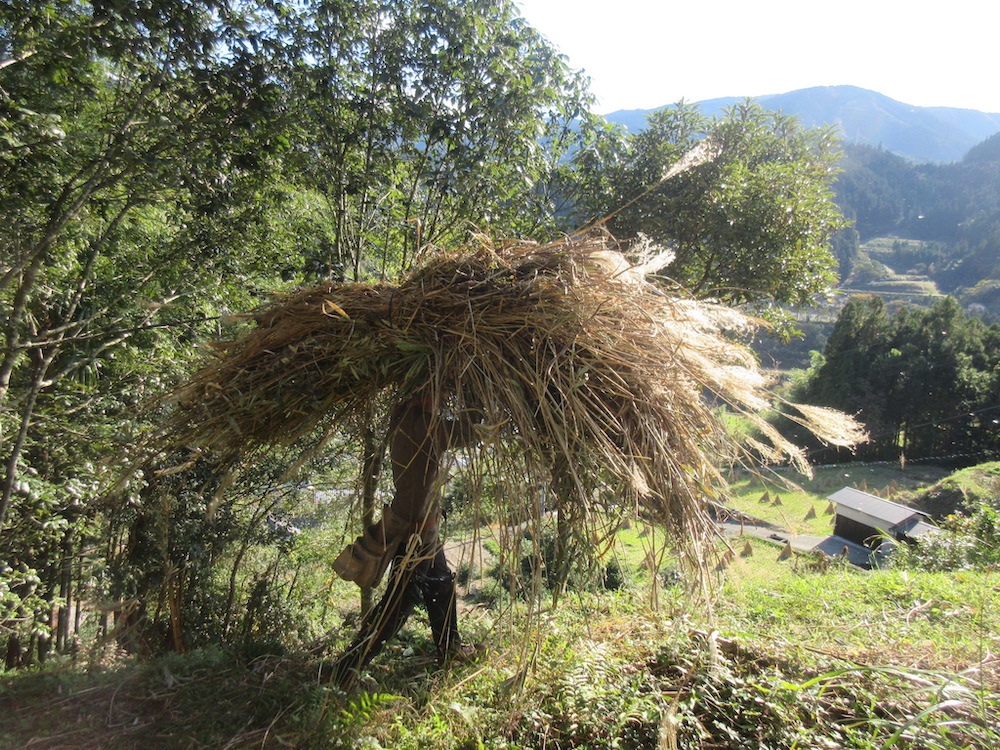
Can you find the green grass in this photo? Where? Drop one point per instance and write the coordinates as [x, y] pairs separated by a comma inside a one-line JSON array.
[[962, 490], [810, 494], [798, 511], [933, 619], [906, 286], [981, 480], [786, 659], [786, 656]]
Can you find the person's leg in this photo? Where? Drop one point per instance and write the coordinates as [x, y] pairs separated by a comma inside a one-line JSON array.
[[437, 586], [385, 619], [365, 560]]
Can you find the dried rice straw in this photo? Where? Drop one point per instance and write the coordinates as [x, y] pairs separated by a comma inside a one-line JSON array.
[[591, 380]]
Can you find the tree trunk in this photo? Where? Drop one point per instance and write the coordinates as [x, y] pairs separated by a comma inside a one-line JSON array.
[[65, 593]]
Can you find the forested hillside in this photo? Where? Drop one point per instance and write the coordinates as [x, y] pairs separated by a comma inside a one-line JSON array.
[[925, 381], [953, 210]]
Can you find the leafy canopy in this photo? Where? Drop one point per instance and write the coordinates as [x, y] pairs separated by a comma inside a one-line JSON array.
[[752, 225]]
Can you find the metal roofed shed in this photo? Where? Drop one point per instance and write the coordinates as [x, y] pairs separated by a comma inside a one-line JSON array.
[[862, 516]]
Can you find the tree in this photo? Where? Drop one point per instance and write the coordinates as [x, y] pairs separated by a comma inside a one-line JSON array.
[[421, 121], [751, 225], [924, 381], [162, 161], [128, 142], [858, 369], [137, 147], [946, 373]]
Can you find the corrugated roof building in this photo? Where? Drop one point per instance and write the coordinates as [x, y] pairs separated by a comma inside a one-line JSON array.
[[863, 517]]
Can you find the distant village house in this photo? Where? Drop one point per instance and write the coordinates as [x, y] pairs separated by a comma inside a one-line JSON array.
[[864, 518]]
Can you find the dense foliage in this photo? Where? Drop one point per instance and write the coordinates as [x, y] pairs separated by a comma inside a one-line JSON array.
[[967, 506], [926, 382], [965, 541], [752, 225]]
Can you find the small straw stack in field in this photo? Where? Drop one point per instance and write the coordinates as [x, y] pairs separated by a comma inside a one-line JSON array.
[[589, 379]]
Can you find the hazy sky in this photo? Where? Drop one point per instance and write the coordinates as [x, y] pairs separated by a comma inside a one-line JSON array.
[[646, 53]]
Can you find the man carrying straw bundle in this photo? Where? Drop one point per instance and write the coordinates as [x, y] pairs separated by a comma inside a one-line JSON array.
[[596, 383], [408, 534]]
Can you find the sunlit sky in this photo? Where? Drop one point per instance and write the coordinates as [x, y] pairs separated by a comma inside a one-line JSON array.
[[642, 54]]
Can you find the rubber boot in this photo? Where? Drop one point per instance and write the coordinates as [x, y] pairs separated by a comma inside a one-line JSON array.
[[437, 586]]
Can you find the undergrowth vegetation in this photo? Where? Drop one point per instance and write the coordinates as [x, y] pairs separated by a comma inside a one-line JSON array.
[[787, 656], [788, 653], [600, 672]]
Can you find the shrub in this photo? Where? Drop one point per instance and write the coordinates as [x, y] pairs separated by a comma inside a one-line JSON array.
[[964, 542]]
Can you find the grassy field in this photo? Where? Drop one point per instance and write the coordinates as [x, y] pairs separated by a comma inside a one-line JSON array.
[[800, 505], [780, 655], [783, 659], [904, 263]]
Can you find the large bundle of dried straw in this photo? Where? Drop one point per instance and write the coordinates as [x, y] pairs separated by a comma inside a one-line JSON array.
[[590, 379]]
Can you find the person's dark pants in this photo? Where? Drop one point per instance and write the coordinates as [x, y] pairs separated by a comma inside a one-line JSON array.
[[424, 576]]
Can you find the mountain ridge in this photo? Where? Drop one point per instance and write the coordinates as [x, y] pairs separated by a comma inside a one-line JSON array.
[[921, 134]]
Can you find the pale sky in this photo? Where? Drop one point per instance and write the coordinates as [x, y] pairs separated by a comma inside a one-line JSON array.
[[642, 54]]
